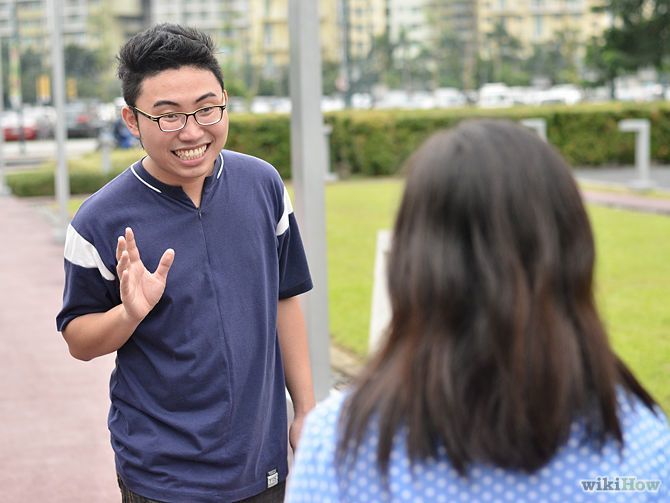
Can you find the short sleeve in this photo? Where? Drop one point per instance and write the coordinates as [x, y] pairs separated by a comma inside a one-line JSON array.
[[90, 285], [294, 277]]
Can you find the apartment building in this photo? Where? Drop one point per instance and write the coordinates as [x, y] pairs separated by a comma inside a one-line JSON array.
[[228, 22], [408, 25], [539, 21], [92, 24], [269, 33], [457, 19], [361, 22]]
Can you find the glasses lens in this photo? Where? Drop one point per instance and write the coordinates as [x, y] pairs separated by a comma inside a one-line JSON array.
[[209, 115], [172, 122]]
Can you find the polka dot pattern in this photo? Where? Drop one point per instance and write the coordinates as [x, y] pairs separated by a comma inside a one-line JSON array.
[[317, 477]]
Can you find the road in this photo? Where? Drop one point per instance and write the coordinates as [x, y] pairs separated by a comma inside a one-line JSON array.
[[32, 153]]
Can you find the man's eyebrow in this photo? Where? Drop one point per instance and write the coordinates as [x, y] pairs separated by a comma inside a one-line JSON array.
[[206, 96], [161, 103]]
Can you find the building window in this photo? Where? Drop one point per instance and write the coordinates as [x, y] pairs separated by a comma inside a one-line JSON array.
[[539, 26], [267, 35]]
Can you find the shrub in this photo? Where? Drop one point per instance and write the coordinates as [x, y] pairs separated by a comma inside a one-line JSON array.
[[377, 142]]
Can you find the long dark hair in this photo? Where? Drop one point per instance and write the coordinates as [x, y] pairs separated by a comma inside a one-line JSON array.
[[495, 346]]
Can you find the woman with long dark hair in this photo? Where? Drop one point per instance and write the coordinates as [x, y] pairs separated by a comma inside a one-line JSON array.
[[495, 381]]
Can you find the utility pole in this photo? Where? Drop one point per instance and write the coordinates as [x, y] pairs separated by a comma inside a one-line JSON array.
[[60, 132], [15, 96], [4, 190], [345, 70], [308, 166]]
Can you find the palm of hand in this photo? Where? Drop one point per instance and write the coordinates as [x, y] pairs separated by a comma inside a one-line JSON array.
[[140, 289]]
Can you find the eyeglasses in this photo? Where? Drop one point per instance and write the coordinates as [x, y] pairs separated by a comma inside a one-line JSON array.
[[174, 121]]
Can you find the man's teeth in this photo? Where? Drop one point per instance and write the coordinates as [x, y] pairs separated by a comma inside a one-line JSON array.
[[193, 153]]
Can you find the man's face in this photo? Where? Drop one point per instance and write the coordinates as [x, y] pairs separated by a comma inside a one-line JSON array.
[[187, 156]]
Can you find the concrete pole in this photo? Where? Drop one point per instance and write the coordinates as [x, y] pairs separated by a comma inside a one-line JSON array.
[[4, 190], [308, 165], [60, 132], [537, 125], [641, 128]]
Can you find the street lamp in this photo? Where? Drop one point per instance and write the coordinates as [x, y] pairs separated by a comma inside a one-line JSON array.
[[58, 73], [308, 166], [4, 190]]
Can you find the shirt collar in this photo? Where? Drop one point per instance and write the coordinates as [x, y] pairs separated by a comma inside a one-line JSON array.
[[174, 191]]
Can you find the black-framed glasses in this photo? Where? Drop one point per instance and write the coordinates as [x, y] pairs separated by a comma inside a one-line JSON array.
[[174, 121]]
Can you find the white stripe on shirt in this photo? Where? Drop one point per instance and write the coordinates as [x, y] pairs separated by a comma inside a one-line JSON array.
[[82, 253], [282, 226]]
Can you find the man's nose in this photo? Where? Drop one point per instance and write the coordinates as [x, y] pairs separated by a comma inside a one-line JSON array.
[[191, 128]]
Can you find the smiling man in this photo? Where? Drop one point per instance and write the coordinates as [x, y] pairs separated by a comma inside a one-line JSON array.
[[207, 343]]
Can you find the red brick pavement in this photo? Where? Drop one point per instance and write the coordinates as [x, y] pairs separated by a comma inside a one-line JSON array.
[[54, 443]]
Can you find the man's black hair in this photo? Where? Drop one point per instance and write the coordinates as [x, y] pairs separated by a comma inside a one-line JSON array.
[[164, 47]]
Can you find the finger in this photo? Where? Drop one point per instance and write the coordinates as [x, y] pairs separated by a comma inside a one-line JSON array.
[[131, 244], [120, 247], [123, 263], [164, 265], [125, 284]]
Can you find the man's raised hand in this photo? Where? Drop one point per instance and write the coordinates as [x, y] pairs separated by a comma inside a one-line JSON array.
[[140, 289]]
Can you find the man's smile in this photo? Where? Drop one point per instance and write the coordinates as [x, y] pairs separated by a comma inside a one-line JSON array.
[[190, 153]]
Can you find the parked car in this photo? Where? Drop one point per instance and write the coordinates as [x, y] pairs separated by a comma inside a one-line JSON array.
[[83, 120], [495, 95], [35, 123]]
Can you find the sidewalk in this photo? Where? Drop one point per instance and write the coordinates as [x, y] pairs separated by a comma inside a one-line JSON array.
[[616, 184], [54, 443]]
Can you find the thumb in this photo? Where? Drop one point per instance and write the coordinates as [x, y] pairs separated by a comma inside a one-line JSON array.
[[164, 265]]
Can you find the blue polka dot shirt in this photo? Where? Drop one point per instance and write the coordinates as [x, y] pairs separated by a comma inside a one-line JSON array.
[[579, 472]]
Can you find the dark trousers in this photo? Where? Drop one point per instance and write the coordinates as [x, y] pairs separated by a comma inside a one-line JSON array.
[[273, 495]]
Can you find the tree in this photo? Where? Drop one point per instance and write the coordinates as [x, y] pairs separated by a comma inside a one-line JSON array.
[[330, 70], [556, 60], [31, 69], [86, 67], [605, 62], [504, 57], [641, 34], [376, 67], [448, 59]]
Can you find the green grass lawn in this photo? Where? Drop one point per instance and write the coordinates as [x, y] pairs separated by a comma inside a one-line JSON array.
[[633, 292], [633, 275]]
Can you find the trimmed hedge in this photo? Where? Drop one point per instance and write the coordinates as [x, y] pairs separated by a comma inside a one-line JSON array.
[[85, 174], [376, 142], [41, 182]]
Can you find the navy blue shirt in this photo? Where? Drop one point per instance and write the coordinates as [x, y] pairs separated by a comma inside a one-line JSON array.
[[198, 404]]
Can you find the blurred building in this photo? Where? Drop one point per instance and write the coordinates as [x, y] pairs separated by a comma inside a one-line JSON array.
[[458, 19], [249, 32], [408, 25], [270, 33], [255, 33], [540, 21], [361, 21], [92, 24], [228, 22]]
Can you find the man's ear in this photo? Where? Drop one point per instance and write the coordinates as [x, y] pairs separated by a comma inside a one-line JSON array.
[[130, 118]]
